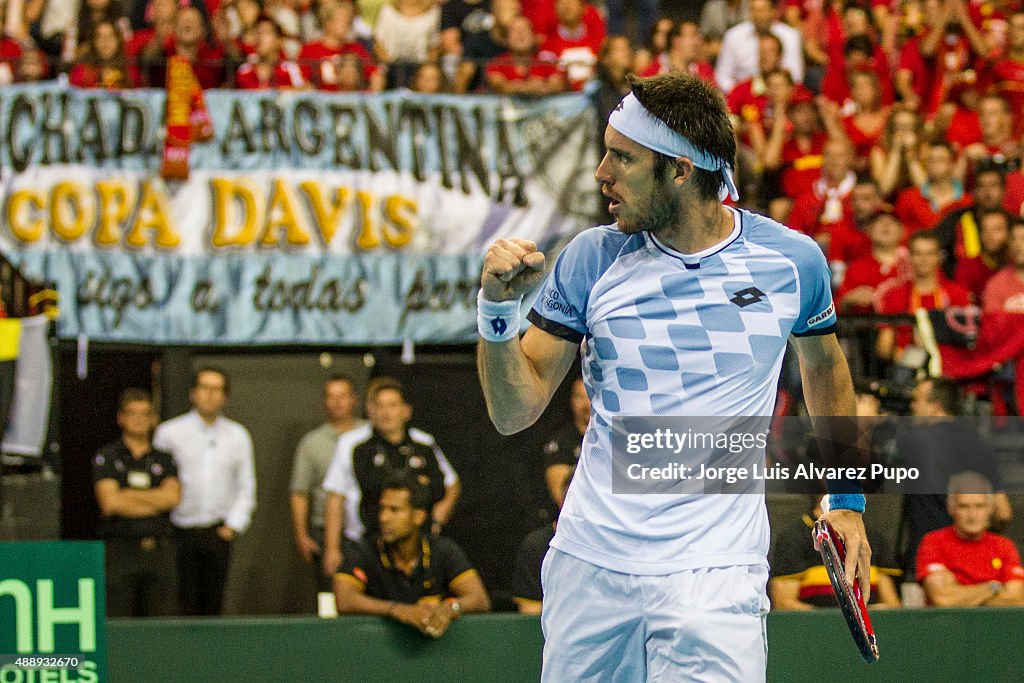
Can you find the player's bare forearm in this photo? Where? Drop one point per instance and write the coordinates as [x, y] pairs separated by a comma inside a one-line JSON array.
[[518, 375], [828, 387], [516, 387]]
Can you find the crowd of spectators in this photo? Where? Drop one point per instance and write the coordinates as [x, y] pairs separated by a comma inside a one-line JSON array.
[[844, 108]]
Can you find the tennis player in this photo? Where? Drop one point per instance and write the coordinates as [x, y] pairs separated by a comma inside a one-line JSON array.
[[683, 307]]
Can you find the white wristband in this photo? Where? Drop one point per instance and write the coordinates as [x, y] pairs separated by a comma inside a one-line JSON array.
[[497, 321]]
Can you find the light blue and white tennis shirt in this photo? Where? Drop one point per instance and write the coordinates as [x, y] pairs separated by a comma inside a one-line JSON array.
[[665, 333]]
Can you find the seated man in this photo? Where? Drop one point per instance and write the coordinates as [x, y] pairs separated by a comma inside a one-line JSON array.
[[527, 591], [367, 456], [926, 288], [965, 564], [886, 260], [799, 580], [423, 581]]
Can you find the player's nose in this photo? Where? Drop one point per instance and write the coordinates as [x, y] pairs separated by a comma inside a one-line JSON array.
[[603, 173]]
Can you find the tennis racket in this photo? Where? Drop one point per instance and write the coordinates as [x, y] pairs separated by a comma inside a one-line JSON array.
[[851, 600]]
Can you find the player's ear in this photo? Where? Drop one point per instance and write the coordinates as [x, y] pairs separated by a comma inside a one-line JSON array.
[[683, 169]]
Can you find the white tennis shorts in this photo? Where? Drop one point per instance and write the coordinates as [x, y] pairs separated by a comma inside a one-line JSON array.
[[695, 625]]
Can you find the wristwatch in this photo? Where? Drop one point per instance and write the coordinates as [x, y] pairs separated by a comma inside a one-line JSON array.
[[456, 607], [996, 587]]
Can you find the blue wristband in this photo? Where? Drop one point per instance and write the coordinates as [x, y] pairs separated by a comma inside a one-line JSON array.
[[847, 501]]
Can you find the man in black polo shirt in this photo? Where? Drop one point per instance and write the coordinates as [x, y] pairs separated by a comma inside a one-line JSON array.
[[423, 581], [368, 456], [136, 487], [562, 451]]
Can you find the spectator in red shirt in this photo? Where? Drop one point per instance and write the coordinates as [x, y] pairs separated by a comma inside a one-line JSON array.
[[960, 230], [859, 55], [915, 70], [866, 122], [927, 288], [1004, 292], [104, 64], [519, 71], [544, 18], [267, 67], [321, 60], [936, 63], [574, 45], [750, 101], [794, 151], [994, 235], [91, 14], [828, 203], [10, 54], [921, 208], [848, 240], [887, 260], [965, 564], [896, 160], [997, 142], [33, 67], [159, 29], [684, 54], [1005, 75], [190, 41]]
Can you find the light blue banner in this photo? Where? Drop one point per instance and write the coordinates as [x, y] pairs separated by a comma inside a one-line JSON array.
[[309, 218], [266, 299]]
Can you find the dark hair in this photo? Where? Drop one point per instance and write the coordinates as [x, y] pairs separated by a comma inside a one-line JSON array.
[[133, 395], [695, 110], [210, 368], [419, 496], [865, 179], [989, 166], [267, 19], [996, 212], [859, 44], [338, 377], [379, 384], [946, 393]]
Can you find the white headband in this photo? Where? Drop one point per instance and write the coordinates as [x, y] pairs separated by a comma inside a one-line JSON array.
[[641, 126]]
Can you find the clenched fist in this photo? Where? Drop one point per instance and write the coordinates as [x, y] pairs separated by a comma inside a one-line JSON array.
[[511, 268]]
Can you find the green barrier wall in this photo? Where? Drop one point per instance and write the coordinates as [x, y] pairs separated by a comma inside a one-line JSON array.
[[917, 645]]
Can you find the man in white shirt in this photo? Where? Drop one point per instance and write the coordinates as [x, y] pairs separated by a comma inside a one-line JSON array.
[[218, 489], [737, 60], [366, 457]]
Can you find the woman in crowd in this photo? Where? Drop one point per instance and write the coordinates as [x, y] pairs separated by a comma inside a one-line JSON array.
[[896, 159], [103, 63], [865, 125], [407, 33]]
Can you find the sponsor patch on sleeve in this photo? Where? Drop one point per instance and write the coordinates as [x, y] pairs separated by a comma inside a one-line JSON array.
[[823, 316]]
